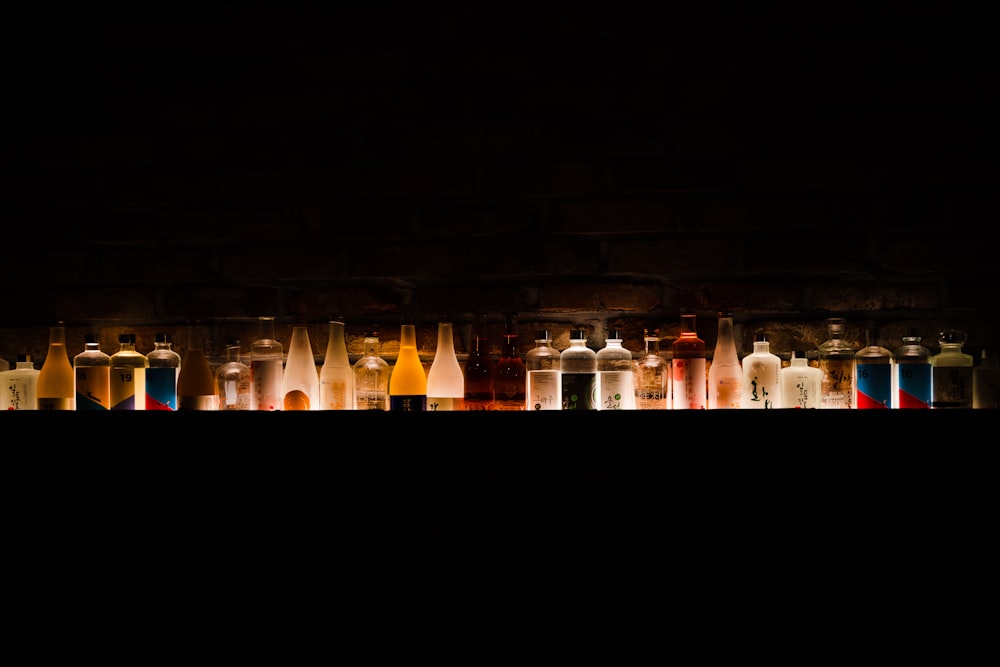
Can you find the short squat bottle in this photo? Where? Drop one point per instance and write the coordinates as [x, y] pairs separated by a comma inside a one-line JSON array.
[[92, 369], [161, 376], [836, 363], [56, 380], [543, 386], [725, 375], [408, 381], [951, 372], [652, 375], [761, 377], [128, 375], [336, 377], [912, 376], [689, 364], [445, 382], [300, 379], [19, 385], [510, 374], [232, 380], [800, 383], [986, 381], [615, 379], [578, 364], [873, 365], [266, 364], [371, 377]]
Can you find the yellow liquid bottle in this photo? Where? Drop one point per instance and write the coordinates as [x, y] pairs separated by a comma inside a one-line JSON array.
[[408, 382], [56, 388]]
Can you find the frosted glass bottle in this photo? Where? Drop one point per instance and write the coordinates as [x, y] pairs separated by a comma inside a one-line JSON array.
[[578, 366], [800, 383], [371, 377], [232, 380], [951, 372], [479, 371], [836, 363], [725, 375], [336, 377], [161, 375], [690, 385], [19, 385], [56, 381], [300, 379], [266, 363], [873, 366], [510, 373], [445, 381], [986, 381], [128, 375], [542, 385], [196, 381], [761, 377], [92, 370], [408, 381], [615, 379], [652, 375], [912, 377]]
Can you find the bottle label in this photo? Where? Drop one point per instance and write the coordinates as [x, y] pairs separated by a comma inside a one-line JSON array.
[[445, 404], [874, 386], [579, 391], [952, 387], [408, 403], [92, 388], [913, 386], [690, 384], [371, 400], [334, 394], [125, 383], [544, 391], [161, 388], [727, 393], [235, 395], [837, 391], [616, 390]]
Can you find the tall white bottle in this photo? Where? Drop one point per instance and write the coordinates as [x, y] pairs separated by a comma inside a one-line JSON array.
[[336, 377], [615, 378], [300, 379], [725, 375], [445, 380], [761, 377]]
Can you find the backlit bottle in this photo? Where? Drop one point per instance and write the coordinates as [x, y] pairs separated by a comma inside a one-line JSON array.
[[578, 368], [445, 381], [371, 377], [615, 379], [196, 382], [873, 366], [725, 375], [800, 383], [761, 377], [912, 377], [480, 380], [300, 379], [986, 381], [336, 377], [161, 374], [690, 386], [510, 374], [128, 375], [652, 375], [836, 363], [408, 381], [543, 386], [951, 372], [232, 380], [266, 366], [19, 385], [56, 381], [92, 371]]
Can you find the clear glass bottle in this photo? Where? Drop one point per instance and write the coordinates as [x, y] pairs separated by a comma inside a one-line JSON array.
[[725, 374], [801, 383], [161, 374], [543, 386], [652, 375], [56, 381], [690, 386], [266, 367], [986, 381], [578, 366], [912, 378], [300, 379], [19, 385], [615, 378], [128, 375], [92, 371], [951, 372], [761, 377], [371, 377], [480, 374], [873, 366], [836, 363], [196, 381], [336, 377], [445, 381], [510, 373], [408, 380], [232, 380]]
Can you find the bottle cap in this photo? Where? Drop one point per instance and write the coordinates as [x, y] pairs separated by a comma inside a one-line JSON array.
[[89, 337], [759, 337], [27, 357], [578, 334], [161, 337], [614, 334], [952, 336], [798, 354], [126, 338], [542, 334]]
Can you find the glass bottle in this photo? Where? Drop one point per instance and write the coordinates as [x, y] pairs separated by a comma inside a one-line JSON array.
[[986, 381], [873, 366], [912, 379], [836, 363], [300, 379], [19, 385], [578, 368], [266, 359], [615, 379], [408, 381], [445, 382], [92, 370], [56, 388], [725, 374], [371, 377], [951, 372], [336, 377], [510, 373], [690, 386], [128, 375], [480, 378], [652, 375], [161, 374], [761, 377], [232, 380], [800, 383], [196, 382], [543, 385]]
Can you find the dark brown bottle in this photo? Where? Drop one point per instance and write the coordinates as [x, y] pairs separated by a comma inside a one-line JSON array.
[[510, 371], [480, 372]]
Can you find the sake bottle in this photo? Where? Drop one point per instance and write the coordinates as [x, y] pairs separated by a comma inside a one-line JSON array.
[[479, 372], [873, 366], [445, 381], [161, 375], [336, 377], [725, 375], [19, 385], [986, 381], [652, 375], [578, 368], [615, 379], [371, 377], [690, 385], [233, 384], [836, 363], [408, 381], [300, 380], [912, 377], [800, 383], [951, 372], [128, 375], [266, 364], [92, 370], [510, 374], [543, 387], [56, 380], [761, 377], [196, 388]]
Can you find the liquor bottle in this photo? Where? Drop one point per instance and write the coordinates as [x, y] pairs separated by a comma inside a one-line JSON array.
[[480, 378], [128, 375], [92, 369], [336, 377], [56, 380], [542, 385], [690, 386], [161, 374], [873, 366], [300, 380], [725, 375], [266, 367], [912, 379], [408, 381], [232, 380], [615, 378], [510, 373], [19, 385], [951, 372], [801, 383], [578, 368], [652, 375], [371, 377], [445, 382], [836, 362], [986, 381], [761, 377], [196, 382]]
